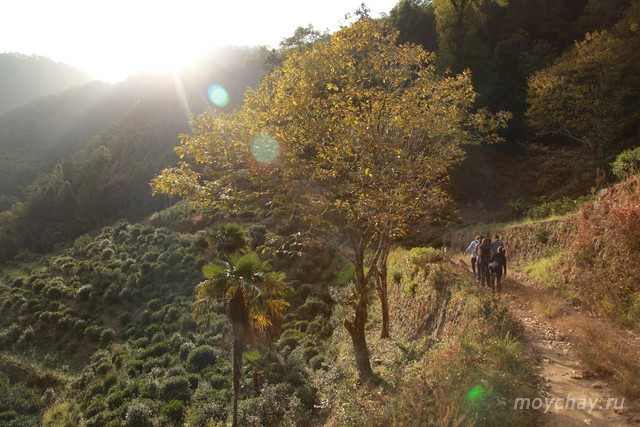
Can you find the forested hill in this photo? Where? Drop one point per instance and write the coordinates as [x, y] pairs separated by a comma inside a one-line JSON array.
[[25, 78], [90, 151]]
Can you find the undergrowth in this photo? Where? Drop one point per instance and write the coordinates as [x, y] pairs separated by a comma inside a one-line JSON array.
[[461, 362]]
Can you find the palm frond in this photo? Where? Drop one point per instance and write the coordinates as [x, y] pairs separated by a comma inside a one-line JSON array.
[[215, 269]]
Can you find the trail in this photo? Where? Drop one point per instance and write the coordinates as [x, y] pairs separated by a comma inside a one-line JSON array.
[[570, 395]]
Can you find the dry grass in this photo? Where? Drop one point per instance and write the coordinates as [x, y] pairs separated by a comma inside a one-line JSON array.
[[465, 374], [549, 309], [609, 351]]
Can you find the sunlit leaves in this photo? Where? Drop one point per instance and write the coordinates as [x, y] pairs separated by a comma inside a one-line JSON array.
[[583, 95], [263, 289]]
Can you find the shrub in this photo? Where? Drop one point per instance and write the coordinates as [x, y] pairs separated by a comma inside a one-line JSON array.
[[10, 335], [309, 352], [257, 235], [107, 336], [173, 411], [27, 336], [154, 304], [93, 332], [139, 415], [201, 357], [627, 163], [291, 342], [157, 349], [185, 349], [313, 307], [82, 294], [55, 292], [207, 411], [111, 294], [175, 388], [175, 258], [318, 361], [7, 416]]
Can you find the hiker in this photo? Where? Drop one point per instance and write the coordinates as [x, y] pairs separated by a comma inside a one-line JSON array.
[[474, 255], [496, 244], [496, 267], [484, 258]]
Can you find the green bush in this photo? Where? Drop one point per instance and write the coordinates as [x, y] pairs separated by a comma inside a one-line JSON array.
[[312, 307], [626, 163], [157, 349], [107, 336], [16, 398], [175, 388], [173, 411], [139, 414], [257, 235], [318, 361], [202, 357], [7, 416]]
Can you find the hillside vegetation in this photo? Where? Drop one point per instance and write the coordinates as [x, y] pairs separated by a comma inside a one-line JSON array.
[[166, 260], [102, 334]]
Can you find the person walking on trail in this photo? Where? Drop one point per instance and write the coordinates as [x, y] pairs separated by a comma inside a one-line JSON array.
[[474, 255], [496, 244], [484, 258], [497, 267]]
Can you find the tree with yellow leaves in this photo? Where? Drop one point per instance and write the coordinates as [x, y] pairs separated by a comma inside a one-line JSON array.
[[349, 141]]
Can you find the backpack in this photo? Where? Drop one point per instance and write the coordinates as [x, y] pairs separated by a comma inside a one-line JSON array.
[[486, 251]]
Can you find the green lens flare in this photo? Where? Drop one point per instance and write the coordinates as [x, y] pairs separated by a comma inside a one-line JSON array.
[[475, 393], [264, 148]]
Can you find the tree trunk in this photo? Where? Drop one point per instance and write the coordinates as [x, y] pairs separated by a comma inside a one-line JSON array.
[[238, 314], [236, 355], [384, 304], [382, 287], [356, 329]]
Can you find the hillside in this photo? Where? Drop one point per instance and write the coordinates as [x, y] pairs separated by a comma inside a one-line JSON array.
[[573, 283], [26, 78], [92, 330], [104, 330], [52, 129], [293, 254]]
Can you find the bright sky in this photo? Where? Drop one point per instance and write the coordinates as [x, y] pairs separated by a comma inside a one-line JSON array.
[[110, 39]]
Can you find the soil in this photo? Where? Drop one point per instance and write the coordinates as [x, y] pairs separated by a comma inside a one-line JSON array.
[[570, 395]]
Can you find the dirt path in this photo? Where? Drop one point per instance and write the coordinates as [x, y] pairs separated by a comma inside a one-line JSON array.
[[570, 395]]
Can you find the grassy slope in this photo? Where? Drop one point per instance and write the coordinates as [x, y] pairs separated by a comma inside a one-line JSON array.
[[454, 354]]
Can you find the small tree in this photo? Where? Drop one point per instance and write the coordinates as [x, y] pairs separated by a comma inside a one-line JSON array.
[[349, 141], [253, 297]]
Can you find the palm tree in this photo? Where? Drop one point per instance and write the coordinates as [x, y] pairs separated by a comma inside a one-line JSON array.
[[254, 301]]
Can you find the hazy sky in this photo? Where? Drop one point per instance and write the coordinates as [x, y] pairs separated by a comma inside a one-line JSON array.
[[111, 39]]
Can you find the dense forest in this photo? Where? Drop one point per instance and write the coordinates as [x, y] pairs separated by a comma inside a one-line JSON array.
[[170, 257]]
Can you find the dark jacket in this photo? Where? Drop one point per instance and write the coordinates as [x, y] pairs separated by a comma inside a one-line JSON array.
[[500, 261]]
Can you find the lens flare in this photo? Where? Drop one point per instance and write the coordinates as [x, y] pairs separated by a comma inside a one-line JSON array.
[[218, 95], [475, 393], [264, 148]]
